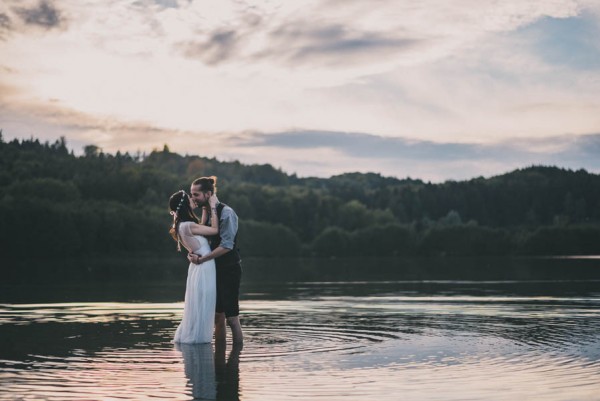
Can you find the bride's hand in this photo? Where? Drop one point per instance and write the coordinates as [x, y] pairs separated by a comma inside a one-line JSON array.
[[212, 201], [193, 258]]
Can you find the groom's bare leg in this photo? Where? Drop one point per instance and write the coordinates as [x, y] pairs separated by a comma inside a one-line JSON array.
[[220, 328], [220, 355], [236, 329]]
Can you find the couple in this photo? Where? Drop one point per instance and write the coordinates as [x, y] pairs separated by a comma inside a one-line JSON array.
[[213, 282]]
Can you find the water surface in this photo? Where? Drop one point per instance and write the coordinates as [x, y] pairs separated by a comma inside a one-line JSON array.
[[327, 330]]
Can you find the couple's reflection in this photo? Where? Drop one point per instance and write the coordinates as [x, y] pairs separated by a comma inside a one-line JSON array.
[[212, 376]]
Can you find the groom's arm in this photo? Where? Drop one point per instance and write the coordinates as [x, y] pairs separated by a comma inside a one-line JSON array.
[[215, 253], [228, 227]]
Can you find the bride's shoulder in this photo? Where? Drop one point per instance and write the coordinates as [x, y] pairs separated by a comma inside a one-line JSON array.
[[183, 224], [185, 227]]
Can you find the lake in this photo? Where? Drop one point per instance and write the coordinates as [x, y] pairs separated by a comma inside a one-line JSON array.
[[335, 329]]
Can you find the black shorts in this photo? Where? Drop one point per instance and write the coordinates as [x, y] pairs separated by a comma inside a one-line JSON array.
[[228, 289]]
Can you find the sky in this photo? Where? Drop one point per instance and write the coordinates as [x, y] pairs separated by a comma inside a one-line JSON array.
[[431, 89]]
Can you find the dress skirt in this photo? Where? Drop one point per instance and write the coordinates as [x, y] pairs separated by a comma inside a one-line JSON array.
[[199, 307]]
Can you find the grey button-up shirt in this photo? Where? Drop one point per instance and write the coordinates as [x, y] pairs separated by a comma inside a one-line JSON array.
[[228, 227]]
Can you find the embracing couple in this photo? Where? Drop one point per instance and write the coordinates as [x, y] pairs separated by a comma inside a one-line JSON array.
[[213, 282]]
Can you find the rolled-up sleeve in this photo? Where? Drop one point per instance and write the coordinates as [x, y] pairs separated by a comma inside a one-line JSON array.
[[228, 227]]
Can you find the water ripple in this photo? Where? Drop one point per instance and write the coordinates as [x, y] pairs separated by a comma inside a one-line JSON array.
[[323, 348]]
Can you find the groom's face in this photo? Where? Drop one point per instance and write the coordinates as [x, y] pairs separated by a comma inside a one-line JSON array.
[[201, 198]]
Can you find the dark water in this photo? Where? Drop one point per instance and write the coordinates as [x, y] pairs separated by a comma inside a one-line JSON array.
[[452, 329]]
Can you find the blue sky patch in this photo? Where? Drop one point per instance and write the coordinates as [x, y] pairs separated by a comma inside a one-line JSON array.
[[572, 42]]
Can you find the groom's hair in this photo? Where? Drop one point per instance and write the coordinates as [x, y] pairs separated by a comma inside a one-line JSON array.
[[207, 184]]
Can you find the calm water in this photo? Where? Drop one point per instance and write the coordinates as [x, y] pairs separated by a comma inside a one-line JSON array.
[[318, 330]]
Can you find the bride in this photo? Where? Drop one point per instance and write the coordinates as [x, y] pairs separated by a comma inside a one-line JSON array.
[[200, 292]]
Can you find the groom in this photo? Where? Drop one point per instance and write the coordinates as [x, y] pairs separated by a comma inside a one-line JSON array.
[[227, 261]]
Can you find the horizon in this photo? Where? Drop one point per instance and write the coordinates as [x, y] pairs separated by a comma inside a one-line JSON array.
[[143, 155], [429, 90]]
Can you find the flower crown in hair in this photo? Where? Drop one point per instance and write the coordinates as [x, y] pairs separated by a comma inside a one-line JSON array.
[[175, 215], [183, 195]]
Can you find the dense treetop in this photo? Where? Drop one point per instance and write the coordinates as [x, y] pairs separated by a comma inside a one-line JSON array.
[[100, 202]]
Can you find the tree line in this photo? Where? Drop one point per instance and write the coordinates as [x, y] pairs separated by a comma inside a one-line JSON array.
[[55, 204]]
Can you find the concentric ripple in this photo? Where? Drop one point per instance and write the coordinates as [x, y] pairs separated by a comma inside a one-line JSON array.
[[285, 341], [322, 348]]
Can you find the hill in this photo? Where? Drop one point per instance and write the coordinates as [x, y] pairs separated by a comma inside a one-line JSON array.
[[66, 205]]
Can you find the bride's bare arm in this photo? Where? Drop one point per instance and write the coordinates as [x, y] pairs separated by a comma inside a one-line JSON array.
[[201, 229], [204, 216]]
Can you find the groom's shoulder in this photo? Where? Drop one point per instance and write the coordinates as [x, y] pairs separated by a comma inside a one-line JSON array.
[[228, 209]]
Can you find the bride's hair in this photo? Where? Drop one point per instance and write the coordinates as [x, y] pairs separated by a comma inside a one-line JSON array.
[[207, 184], [179, 206]]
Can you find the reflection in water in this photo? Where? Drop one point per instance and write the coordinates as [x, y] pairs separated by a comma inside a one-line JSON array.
[[212, 375], [320, 340], [228, 372], [199, 363], [333, 348]]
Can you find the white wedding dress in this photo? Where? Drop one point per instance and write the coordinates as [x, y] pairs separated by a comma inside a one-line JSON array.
[[200, 292]]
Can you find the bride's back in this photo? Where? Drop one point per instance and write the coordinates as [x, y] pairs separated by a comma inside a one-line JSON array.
[[192, 242]]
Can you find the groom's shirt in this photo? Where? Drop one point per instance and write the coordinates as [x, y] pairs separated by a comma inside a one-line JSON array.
[[228, 227], [227, 237]]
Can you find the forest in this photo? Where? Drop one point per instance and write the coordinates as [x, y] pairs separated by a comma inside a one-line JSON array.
[[55, 205]]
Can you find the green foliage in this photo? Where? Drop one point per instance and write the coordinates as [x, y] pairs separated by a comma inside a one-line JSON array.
[[465, 240], [384, 240], [46, 189], [264, 239], [56, 204], [333, 241], [575, 240], [451, 219]]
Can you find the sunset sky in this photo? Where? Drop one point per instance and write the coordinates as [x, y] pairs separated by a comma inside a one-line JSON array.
[[431, 89]]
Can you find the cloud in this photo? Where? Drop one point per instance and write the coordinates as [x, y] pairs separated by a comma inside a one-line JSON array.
[[580, 151], [335, 44], [50, 120], [377, 35], [5, 25], [167, 3], [305, 152], [364, 145], [432, 88], [575, 151], [294, 45], [4, 21], [218, 48], [44, 14]]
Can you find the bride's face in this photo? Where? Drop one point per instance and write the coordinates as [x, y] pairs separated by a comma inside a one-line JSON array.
[[192, 204]]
